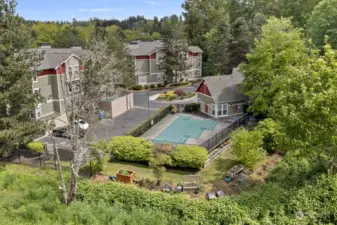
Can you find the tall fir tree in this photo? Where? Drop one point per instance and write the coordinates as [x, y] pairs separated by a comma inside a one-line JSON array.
[[218, 41], [175, 51], [18, 68], [241, 42]]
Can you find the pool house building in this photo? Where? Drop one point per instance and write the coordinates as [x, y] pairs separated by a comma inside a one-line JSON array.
[[221, 96]]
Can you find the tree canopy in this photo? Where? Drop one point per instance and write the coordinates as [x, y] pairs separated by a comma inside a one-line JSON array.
[[323, 22], [18, 68], [281, 47]]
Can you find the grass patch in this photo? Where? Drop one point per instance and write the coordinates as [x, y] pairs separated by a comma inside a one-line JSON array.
[[143, 171], [218, 168], [213, 172]]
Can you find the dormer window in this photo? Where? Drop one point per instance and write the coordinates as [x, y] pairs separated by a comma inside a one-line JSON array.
[[76, 69]]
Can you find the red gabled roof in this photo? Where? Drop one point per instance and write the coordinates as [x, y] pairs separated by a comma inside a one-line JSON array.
[[203, 89]]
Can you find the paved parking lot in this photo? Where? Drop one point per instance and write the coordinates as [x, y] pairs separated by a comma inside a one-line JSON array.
[[125, 122]]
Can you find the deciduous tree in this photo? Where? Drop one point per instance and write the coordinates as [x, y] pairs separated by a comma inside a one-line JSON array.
[[323, 22], [280, 48], [100, 80], [247, 147]]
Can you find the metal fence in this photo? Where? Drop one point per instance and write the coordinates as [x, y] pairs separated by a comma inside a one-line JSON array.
[[147, 124], [223, 135], [216, 139]]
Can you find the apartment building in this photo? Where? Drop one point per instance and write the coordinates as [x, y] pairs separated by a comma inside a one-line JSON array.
[[58, 68], [147, 57]]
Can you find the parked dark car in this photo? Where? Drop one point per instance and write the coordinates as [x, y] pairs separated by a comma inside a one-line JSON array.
[[63, 132]]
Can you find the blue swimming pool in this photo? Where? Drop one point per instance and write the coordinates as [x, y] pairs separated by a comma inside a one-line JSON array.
[[183, 128]]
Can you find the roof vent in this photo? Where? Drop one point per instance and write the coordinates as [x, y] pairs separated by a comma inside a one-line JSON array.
[[76, 46], [44, 45]]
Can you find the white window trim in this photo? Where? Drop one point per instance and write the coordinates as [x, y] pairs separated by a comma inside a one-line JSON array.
[[223, 105], [76, 66], [36, 89]]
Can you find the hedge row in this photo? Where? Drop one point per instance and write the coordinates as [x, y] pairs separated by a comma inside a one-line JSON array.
[[219, 211], [135, 149]]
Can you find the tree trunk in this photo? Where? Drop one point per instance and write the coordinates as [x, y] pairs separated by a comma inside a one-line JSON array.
[[73, 188], [59, 167]]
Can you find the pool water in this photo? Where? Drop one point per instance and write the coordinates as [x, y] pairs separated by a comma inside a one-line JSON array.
[[183, 128]]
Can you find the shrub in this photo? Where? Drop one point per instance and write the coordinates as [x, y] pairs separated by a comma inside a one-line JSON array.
[[270, 130], [171, 97], [137, 87], [179, 92], [190, 156], [193, 107], [247, 147], [152, 86], [35, 146], [146, 87], [179, 84], [130, 148], [164, 148]]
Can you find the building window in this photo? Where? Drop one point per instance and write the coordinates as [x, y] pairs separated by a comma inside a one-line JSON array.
[[160, 67], [224, 110], [199, 63], [36, 91], [77, 87], [219, 110], [159, 77], [142, 79], [35, 78], [38, 113], [70, 72], [160, 57], [70, 88], [213, 110], [76, 69]]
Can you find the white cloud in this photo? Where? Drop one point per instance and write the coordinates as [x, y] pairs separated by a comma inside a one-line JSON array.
[[99, 10], [157, 2]]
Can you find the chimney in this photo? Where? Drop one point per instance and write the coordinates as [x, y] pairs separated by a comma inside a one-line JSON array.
[[45, 45]]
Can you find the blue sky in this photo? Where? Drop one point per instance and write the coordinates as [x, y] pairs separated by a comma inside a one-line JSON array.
[[105, 9]]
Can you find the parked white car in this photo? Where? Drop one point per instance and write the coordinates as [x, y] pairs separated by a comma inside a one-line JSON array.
[[82, 124]]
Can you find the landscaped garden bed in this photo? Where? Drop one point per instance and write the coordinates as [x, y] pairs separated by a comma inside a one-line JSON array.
[[175, 95]]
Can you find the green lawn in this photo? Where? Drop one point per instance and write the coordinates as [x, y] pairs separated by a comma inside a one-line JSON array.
[[216, 170]]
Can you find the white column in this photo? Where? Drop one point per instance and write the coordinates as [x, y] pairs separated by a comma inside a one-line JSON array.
[[216, 110]]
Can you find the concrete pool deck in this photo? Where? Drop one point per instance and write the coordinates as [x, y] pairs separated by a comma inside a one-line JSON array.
[[157, 129]]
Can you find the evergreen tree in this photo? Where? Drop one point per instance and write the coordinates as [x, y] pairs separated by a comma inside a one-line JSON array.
[[68, 36], [241, 42], [218, 42], [175, 51], [18, 67]]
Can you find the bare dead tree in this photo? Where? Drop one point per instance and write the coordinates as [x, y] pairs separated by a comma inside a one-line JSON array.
[[101, 79]]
